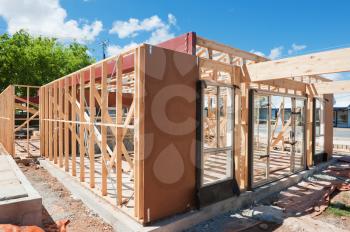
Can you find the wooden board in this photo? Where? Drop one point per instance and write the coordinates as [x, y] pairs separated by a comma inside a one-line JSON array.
[[311, 64]]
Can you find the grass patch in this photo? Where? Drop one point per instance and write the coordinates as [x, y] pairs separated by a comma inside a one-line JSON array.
[[339, 209]]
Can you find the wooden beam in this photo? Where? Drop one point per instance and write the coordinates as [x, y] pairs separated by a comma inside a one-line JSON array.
[[212, 45], [66, 125], [74, 126], [82, 126], [60, 124], [41, 121], [46, 111], [286, 84], [27, 121], [312, 64], [24, 108], [50, 109], [104, 113], [91, 127], [139, 98], [332, 87], [56, 115], [119, 134]]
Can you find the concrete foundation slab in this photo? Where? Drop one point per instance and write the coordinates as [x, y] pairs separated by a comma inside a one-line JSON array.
[[20, 203]]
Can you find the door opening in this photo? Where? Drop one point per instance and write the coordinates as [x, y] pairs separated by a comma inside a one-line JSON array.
[[277, 136], [215, 162]]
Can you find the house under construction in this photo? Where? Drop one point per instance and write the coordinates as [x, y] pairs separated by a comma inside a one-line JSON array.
[[162, 130]]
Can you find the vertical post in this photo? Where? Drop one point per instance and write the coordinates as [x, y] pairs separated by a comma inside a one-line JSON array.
[[50, 99], [66, 124], [104, 112], [139, 130], [12, 120], [74, 125], [237, 129], [46, 111], [244, 132], [269, 115], [81, 127], [55, 123], [92, 127], [60, 133], [293, 127], [309, 126], [41, 123], [28, 152], [119, 130]]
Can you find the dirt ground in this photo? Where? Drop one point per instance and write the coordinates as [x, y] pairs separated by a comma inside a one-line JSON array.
[[340, 218], [58, 203]]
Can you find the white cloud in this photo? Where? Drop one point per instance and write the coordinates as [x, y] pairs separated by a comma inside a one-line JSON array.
[[296, 48], [172, 19], [46, 18], [160, 35], [159, 31], [131, 27], [276, 53], [116, 49]]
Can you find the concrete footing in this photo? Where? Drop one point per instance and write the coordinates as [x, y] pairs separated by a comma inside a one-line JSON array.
[[122, 222], [20, 203]]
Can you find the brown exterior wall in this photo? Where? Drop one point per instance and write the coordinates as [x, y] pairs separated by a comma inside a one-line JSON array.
[[170, 132], [328, 143]]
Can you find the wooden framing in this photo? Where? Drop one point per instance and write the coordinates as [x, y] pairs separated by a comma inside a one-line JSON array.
[[332, 87], [18, 116], [212, 45], [97, 125], [252, 73], [82, 103]]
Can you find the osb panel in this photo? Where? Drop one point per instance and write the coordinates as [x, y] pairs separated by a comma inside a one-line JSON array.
[[170, 132]]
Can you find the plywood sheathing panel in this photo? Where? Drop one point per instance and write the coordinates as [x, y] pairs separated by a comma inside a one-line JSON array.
[[170, 132]]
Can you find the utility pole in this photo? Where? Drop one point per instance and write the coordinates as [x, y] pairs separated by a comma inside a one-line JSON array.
[[104, 44]]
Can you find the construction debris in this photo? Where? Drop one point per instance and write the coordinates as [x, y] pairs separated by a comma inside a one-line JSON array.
[[265, 213]]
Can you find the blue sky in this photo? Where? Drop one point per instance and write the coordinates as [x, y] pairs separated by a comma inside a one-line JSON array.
[[250, 25], [274, 28]]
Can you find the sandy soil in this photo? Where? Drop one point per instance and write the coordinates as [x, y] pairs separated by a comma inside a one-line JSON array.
[[342, 222], [59, 204]]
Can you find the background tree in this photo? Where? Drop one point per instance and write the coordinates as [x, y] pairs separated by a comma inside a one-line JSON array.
[[28, 60]]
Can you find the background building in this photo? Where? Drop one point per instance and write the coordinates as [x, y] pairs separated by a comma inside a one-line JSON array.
[[341, 116]]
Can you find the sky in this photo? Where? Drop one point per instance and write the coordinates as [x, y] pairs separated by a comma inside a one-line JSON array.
[[273, 28]]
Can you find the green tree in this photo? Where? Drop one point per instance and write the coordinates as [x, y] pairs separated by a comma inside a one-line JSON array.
[[28, 60]]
